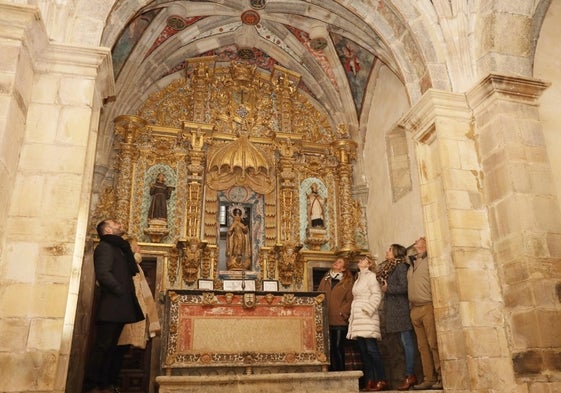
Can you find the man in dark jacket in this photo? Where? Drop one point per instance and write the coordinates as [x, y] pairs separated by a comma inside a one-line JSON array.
[[114, 268]]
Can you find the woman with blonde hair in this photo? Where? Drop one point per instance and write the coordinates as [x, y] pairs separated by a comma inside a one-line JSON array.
[[364, 325]]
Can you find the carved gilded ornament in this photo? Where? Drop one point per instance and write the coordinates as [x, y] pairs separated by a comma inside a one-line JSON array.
[[105, 207], [240, 162], [289, 264], [190, 254], [239, 98]]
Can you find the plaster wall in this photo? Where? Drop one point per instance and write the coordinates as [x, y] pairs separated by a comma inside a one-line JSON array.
[[400, 221]]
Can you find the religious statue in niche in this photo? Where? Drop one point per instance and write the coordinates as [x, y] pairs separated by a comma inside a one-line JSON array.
[[316, 208], [316, 232], [238, 248], [160, 193]]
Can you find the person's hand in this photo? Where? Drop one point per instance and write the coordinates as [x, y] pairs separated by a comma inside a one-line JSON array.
[[384, 286]]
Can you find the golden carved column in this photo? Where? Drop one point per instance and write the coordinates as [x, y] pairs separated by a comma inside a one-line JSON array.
[[128, 127], [288, 193], [345, 151], [195, 168], [190, 246]]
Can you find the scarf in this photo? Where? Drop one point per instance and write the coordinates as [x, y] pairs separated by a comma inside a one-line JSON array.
[[336, 276], [125, 247], [386, 268]]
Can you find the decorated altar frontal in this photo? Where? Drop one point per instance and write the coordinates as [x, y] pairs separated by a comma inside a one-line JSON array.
[[218, 339], [219, 332]]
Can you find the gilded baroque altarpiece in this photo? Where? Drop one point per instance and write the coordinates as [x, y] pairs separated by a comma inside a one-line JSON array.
[[225, 147]]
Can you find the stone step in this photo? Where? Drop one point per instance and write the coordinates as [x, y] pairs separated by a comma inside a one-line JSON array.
[[413, 390]]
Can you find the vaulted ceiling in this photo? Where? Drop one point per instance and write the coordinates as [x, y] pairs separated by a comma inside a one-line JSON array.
[[335, 46]]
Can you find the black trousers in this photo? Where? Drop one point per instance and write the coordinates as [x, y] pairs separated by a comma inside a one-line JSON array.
[[104, 356], [337, 337]]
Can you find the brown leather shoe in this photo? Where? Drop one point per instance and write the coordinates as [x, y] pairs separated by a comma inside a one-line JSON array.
[[380, 385], [408, 382]]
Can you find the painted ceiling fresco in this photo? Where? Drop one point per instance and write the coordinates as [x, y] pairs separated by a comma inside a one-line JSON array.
[[145, 35]]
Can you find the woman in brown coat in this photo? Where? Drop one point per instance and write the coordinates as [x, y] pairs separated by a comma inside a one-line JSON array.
[[337, 285]]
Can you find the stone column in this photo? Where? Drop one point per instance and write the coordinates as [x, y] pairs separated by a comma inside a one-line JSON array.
[[525, 223], [51, 97], [472, 334]]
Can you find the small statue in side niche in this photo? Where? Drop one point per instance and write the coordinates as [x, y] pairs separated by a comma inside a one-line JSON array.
[[160, 194], [316, 208]]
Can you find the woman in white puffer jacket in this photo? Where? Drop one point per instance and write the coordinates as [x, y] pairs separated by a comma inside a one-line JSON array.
[[364, 325]]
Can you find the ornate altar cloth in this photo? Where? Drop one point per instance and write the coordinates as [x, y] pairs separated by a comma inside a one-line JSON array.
[[244, 332]]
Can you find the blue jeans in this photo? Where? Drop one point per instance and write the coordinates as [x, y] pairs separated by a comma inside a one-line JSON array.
[[372, 359], [408, 342]]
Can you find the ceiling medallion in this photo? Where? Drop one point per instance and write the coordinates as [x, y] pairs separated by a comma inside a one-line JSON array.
[[176, 22], [250, 17], [318, 43], [257, 4], [245, 53]]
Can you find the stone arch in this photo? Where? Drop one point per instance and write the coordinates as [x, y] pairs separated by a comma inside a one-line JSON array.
[[495, 48], [547, 67]]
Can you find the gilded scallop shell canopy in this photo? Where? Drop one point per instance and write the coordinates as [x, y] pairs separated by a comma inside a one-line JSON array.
[[240, 162], [240, 155]]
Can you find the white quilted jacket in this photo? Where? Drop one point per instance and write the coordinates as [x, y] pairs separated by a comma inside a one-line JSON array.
[[367, 295]]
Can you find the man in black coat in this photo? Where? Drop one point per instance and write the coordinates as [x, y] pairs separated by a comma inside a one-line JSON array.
[[114, 268]]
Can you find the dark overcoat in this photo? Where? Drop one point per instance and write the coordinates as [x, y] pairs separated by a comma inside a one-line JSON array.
[[117, 300], [396, 303]]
